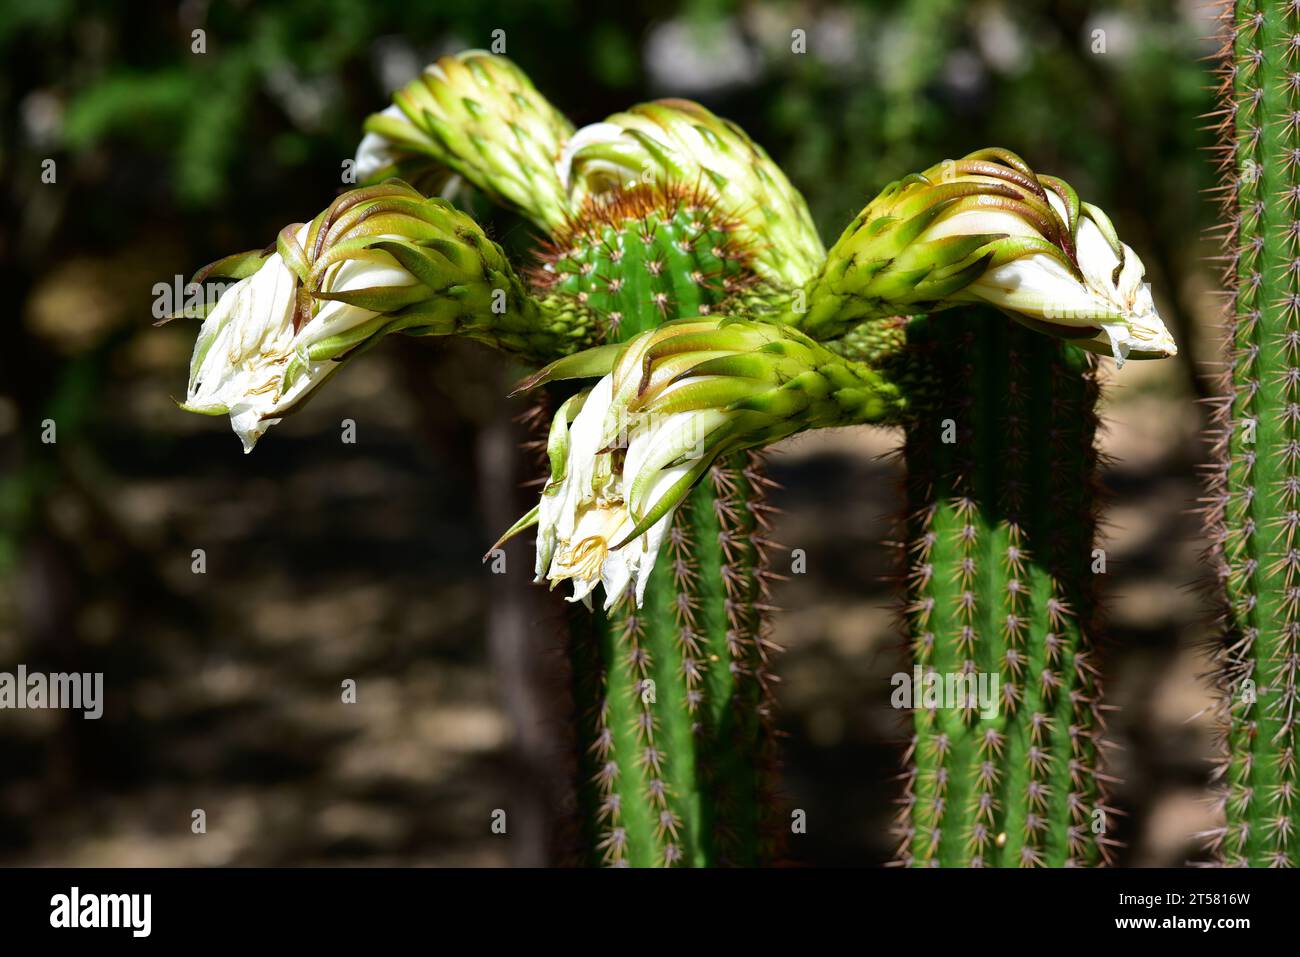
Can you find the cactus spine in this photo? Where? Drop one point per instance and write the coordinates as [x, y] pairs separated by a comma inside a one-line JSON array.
[[1000, 530], [1256, 494]]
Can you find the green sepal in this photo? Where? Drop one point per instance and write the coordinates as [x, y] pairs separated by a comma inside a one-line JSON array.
[[378, 298], [527, 521], [236, 266], [590, 363], [557, 439], [669, 500], [710, 393]]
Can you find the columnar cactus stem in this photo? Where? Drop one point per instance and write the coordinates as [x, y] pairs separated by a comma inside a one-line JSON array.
[[676, 694], [1001, 466], [1000, 531], [1253, 507]]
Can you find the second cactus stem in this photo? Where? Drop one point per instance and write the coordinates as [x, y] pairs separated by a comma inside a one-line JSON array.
[[1002, 768], [1254, 513]]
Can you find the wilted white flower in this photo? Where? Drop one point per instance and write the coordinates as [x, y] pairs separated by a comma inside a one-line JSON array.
[[252, 363], [378, 260], [1112, 296], [625, 454], [585, 519]]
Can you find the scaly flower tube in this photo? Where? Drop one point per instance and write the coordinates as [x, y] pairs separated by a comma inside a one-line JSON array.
[[987, 229], [478, 116], [378, 260], [670, 402]]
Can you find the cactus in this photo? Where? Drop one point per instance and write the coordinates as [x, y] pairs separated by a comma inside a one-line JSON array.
[[661, 212], [1000, 526], [679, 649], [679, 253], [999, 581], [1254, 499], [1001, 514], [673, 698]]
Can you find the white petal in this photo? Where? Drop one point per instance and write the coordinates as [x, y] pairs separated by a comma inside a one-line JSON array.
[[1117, 333], [1097, 261], [615, 576], [1058, 205], [975, 221], [1039, 286], [375, 151], [592, 133], [653, 542]]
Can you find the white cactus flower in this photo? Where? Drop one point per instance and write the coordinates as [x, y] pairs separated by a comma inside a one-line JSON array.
[[1113, 295], [616, 468], [251, 363], [987, 229], [626, 453]]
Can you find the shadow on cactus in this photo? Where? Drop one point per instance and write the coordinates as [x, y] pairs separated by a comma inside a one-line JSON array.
[[685, 315]]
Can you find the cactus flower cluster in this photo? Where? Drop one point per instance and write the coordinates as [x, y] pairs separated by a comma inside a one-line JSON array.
[[680, 270]]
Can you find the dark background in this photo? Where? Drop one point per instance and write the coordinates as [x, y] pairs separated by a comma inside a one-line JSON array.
[[327, 561]]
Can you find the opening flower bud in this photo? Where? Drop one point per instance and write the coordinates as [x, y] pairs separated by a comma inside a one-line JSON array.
[[987, 229], [670, 402]]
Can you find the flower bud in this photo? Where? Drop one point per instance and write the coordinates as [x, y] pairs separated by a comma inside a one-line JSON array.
[[679, 143], [476, 115], [670, 402], [987, 229]]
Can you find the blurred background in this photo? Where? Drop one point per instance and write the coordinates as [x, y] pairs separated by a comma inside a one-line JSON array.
[[324, 561]]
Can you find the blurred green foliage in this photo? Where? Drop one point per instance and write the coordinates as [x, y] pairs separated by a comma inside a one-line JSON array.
[[883, 88]]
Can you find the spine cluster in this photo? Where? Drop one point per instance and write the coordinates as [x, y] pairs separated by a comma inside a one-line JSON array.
[[646, 257]]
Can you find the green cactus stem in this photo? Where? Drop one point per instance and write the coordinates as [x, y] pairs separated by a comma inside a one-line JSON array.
[[1253, 505], [675, 696], [1001, 506], [999, 547]]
